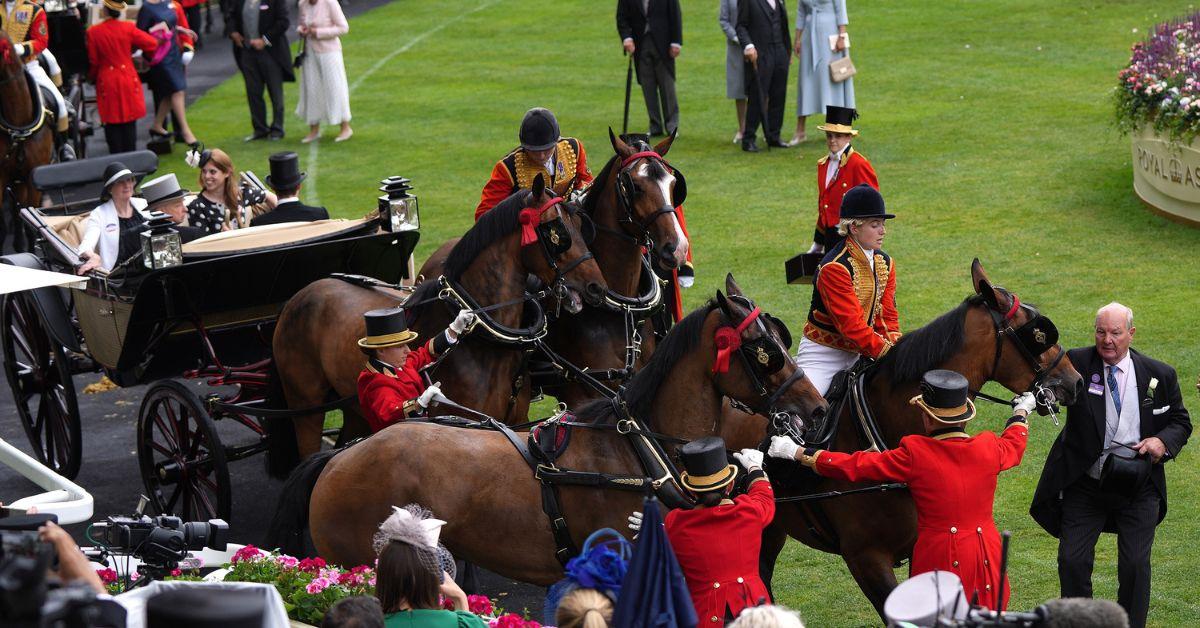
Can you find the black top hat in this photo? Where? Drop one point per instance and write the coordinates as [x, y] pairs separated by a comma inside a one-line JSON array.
[[386, 328], [839, 119], [114, 173], [944, 397], [705, 466], [862, 202], [539, 129], [197, 607], [285, 171]]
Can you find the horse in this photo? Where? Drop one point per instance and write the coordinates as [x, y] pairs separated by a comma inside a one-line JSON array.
[[26, 141], [631, 206], [479, 483], [314, 344], [990, 336]]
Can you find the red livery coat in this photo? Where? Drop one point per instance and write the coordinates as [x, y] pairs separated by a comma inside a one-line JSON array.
[[952, 478], [517, 172], [854, 305], [26, 25], [110, 66], [853, 169], [384, 393], [718, 551]]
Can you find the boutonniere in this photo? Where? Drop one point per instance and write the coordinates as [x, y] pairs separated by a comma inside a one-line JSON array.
[[1149, 401]]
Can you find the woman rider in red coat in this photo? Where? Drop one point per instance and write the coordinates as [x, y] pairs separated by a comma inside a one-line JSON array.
[[110, 45], [390, 387], [952, 478]]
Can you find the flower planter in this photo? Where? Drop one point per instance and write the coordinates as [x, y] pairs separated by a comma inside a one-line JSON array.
[[1166, 176]]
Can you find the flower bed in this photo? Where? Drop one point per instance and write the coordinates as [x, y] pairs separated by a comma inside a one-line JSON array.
[[1158, 104]]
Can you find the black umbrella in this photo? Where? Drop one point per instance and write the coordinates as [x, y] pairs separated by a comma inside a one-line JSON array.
[[762, 98], [628, 87], [654, 593]]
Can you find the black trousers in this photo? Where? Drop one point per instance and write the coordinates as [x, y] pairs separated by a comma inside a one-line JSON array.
[[1085, 509], [259, 70], [772, 76], [193, 18], [121, 138], [656, 75]]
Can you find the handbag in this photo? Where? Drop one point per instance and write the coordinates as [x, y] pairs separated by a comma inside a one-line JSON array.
[[299, 60], [842, 69]]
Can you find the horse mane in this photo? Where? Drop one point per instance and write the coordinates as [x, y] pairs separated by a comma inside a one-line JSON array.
[[423, 295], [642, 390], [925, 348], [498, 222]]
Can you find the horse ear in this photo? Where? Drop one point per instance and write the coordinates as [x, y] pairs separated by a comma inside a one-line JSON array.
[[623, 149], [539, 186], [983, 286], [723, 303], [665, 145], [731, 285]]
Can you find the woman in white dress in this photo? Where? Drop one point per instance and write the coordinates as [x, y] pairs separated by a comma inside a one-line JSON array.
[[324, 94]]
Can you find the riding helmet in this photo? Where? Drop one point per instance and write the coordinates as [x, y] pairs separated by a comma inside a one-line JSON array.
[[539, 129]]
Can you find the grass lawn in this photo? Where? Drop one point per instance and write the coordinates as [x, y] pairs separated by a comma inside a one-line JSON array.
[[989, 124]]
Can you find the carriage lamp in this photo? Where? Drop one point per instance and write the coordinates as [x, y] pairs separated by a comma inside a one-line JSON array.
[[398, 206], [161, 244]]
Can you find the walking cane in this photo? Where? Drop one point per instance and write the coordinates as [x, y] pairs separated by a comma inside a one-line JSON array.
[[762, 101], [628, 86], [1004, 538]]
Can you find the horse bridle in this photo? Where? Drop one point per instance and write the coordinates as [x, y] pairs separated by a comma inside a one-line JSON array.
[[625, 193], [555, 239], [763, 359], [1033, 338]]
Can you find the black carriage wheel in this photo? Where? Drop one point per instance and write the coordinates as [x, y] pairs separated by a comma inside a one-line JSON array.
[[180, 455], [40, 380], [78, 116]]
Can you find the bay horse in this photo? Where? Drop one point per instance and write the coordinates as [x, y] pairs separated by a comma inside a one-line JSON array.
[[631, 205], [315, 349], [26, 142], [479, 483], [988, 337]]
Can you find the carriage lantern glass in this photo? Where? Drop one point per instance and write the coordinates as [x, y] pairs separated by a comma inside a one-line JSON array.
[[398, 206], [161, 244]]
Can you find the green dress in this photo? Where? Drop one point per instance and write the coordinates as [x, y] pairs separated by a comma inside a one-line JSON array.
[[422, 618]]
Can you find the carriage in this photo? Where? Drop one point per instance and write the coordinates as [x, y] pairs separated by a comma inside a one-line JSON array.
[[209, 317]]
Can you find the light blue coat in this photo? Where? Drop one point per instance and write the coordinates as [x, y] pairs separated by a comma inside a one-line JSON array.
[[818, 19]]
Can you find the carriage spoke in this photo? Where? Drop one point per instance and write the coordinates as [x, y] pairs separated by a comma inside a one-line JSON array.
[[205, 503], [162, 450], [169, 507], [164, 430]]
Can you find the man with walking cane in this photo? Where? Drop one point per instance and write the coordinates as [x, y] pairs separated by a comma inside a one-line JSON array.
[[652, 31], [762, 28]]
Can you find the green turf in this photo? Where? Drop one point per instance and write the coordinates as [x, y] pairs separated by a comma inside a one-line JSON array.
[[989, 124]]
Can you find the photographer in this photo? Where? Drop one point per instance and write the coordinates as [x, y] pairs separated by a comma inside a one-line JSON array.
[[73, 566]]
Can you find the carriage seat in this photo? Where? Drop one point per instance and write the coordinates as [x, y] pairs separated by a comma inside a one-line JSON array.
[[69, 229], [266, 237]]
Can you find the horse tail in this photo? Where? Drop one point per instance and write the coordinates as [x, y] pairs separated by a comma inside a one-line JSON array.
[[290, 521], [283, 451]]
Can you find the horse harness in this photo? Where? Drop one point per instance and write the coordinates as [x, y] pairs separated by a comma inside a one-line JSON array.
[[1032, 339], [19, 133], [626, 191]]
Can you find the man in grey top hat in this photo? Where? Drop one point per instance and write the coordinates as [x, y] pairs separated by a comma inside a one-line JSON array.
[[163, 194]]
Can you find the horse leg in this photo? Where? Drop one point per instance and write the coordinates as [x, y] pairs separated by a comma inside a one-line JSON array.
[[773, 539], [872, 570]]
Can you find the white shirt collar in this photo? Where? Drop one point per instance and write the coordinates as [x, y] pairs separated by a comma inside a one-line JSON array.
[[1124, 365], [288, 199]]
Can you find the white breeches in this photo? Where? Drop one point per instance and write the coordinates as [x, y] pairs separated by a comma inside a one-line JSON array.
[[821, 363], [41, 78]]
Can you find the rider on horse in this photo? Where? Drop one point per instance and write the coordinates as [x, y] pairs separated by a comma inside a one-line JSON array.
[[853, 311], [25, 23], [388, 393], [561, 160]]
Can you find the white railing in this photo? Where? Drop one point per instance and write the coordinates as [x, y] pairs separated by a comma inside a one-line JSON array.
[[63, 497]]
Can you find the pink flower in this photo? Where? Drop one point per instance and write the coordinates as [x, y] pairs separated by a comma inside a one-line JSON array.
[[447, 604], [317, 585], [287, 562], [513, 620], [107, 576], [312, 565], [480, 605], [350, 579], [175, 573], [372, 580], [247, 553]]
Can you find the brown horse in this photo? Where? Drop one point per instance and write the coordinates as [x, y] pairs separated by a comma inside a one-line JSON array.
[[478, 482], [314, 345], [982, 339], [627, 217], [26, 141]]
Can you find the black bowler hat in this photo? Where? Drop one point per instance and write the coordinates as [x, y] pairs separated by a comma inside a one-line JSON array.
[[839, 119], [114, 173], [944, 397], [862, 202], [203, 607], [386, 328], [285, 171], [539, 129], [705, 466]]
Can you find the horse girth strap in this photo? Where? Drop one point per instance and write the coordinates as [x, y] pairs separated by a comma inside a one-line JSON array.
[[21, 132]]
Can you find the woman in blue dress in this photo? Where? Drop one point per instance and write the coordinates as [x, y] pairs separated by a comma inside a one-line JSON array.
[[816, 22], [166, 22]]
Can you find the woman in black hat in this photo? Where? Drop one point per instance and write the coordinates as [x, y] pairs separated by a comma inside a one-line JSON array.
[[114, 227], [951, 476]]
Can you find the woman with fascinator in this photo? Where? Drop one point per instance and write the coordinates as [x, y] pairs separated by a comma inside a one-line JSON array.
[[223, 203], [414, 570], [951, 476]]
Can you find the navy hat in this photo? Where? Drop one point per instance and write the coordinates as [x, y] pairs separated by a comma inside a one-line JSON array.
[[386, 328], [705, 466], [285, 171], [539, 129], [863, 202], [944, 397]]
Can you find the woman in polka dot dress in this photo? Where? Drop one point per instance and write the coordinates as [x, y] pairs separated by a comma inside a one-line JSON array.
[[223, 204]]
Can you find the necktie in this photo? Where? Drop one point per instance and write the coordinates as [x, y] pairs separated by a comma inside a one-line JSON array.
[[1112, 389]]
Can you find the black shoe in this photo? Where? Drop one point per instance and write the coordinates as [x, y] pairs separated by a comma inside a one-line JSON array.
[[749, 146], [255, 137], [155, 135], [777, 144], [275, 136]]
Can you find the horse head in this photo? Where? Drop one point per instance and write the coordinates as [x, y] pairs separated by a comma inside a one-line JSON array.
[[1028, 356], [752, 366], [559, 256], [648, 190]]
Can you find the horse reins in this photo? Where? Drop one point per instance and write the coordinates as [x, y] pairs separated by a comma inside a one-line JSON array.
[[1004, 330], [624, 193]]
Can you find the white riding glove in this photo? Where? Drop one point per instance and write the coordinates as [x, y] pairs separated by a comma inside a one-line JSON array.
[[1026, 402], [783, 447], [635, 521], [461, 322], [749, 458], [687, 281], [427, 397], [816, 248], [187, 57]]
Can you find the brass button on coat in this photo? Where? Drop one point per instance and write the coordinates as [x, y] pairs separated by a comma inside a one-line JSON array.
[[953, 530]]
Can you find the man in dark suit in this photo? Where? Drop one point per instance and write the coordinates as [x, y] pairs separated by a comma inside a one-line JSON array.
[[652, 31], [285, 179], [1133, 407], [762, 29], [258, 29]]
